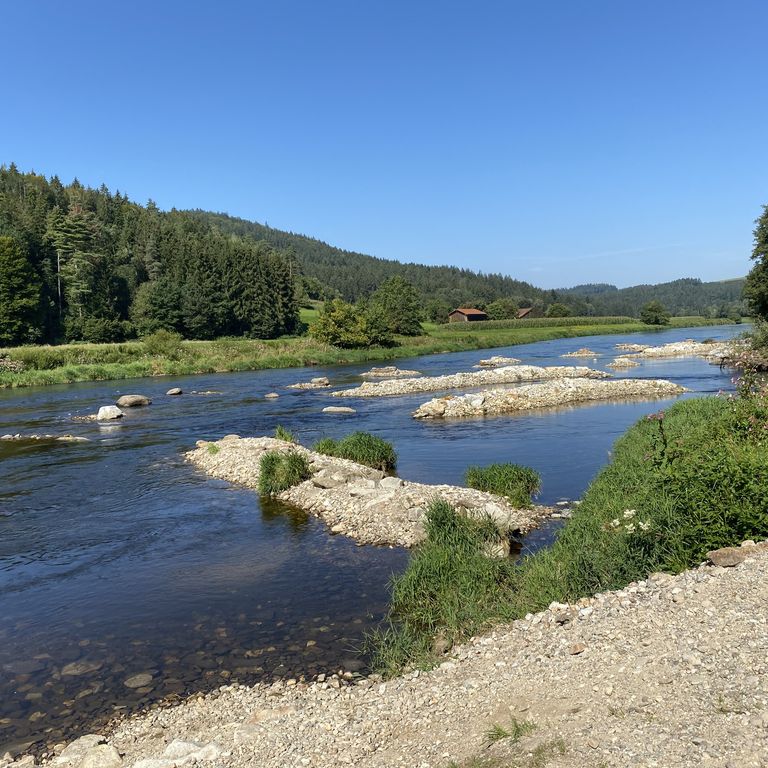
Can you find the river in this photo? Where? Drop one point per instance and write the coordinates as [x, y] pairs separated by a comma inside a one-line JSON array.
[[117, 558]]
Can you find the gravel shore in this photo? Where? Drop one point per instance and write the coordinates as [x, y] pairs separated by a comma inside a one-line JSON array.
[[544, 395], [671, 671], [355, 500], [511, 374]]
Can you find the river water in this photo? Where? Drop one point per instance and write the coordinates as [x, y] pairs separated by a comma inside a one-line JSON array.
[[117, 558]]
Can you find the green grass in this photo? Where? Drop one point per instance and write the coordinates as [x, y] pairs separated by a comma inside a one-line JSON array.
[[516, 731], [280, 471], [681, 483], [362, 448], [517, 483], [281, 433], [45, 365]]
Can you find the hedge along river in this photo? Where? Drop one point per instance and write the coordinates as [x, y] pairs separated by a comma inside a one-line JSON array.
[[127, 578]]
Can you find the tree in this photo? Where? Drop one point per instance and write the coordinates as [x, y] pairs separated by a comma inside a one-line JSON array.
[[502, 309], [19, 295], [756, 287], [350, 327], [400, 304], [558, 310], [654, 313]]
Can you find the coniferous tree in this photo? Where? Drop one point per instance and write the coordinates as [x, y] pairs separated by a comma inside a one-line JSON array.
[[20, 290]]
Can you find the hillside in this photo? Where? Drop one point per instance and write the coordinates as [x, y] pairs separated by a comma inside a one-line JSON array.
[[687, 296], [356, 275]]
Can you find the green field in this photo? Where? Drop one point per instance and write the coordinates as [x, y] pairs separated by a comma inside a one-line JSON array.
[[43, 365]]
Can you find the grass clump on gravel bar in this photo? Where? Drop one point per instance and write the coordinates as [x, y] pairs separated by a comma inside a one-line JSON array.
[[280, 471], [681, 483], [517, 483], [361, 447], [281, 433]]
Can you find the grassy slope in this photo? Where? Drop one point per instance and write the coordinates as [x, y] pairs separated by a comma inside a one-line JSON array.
[[681, 483], [98, 362]]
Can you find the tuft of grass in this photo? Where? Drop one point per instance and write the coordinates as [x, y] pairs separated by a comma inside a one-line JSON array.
[[212, 448], [361, 447], [496, 733], [281, 433], [450, 590], [681, 483], [279, 471], [517, 483]]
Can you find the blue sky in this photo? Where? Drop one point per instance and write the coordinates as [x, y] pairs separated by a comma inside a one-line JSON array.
[[560, 142]]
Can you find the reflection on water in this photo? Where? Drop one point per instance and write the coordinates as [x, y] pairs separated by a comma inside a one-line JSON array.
[[117, 558]]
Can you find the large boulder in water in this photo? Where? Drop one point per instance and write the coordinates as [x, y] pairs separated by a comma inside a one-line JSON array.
[[109, 412], [132, 401]]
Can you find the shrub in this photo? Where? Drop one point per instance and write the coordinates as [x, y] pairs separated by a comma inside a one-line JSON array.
[[163, 344], [281, 433], [654, 313], [362, 448], [350, 327], [513, 481], [280, 471]]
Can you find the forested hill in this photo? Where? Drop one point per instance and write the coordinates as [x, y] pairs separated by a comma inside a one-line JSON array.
[[80, 263], [355, 275], [687, 296]]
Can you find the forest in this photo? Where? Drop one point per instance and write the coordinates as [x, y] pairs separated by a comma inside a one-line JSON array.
[[83, 264]]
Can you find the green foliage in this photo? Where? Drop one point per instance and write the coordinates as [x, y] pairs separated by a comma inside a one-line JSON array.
[[654, 313], [756, 287], [20, 295], [517, 483], [281, 433], [502, 309], [213, 449], [449, 591], [558, 309], [539, 322], [681, 483], [94, 259], [280, 471], [350, 327], [437, 310], [361, 447], [400, 306], [163, 344]]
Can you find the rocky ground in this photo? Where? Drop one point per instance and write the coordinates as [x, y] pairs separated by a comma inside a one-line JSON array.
[[389, 372], [511, 374], [544, 395], [496, 361], [710, 350], [356, 500], [668, 672], [583, 352]]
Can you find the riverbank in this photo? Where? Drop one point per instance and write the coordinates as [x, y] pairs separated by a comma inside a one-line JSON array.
[[358, 501], [668, 671], [40, 366]]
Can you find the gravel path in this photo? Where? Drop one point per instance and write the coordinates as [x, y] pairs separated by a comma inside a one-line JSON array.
[[672, 671]]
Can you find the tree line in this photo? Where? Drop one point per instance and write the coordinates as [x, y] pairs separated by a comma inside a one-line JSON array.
[[78, 263]]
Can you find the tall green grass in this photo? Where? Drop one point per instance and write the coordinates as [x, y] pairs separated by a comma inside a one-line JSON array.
[[681, 483], [517, 483], [361, 447], [280, 471]]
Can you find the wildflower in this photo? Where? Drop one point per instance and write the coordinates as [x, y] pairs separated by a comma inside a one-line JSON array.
[[615, 523], [629, 514], [630, 528], [644, 526]]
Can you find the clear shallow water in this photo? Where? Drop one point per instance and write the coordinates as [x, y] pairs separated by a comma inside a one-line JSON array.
[[117, 557]]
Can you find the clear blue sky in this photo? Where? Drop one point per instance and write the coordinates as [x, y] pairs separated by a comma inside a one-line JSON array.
[[560, 142]]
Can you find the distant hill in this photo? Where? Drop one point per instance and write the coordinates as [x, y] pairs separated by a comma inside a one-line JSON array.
[[356, 275], [687, 296]]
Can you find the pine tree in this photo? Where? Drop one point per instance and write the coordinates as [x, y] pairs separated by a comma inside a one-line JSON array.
[[19, 295]]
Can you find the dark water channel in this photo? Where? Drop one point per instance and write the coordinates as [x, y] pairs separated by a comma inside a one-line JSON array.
[[117, 558]]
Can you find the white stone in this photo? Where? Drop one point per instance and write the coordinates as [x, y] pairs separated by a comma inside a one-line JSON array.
[[108, 412]]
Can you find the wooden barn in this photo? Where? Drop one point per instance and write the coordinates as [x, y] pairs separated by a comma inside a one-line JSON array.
[[466, 315]]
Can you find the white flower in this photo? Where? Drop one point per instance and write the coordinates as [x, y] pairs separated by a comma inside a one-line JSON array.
[[629, 513], [644, 526], [630, 528], [615, 523]]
